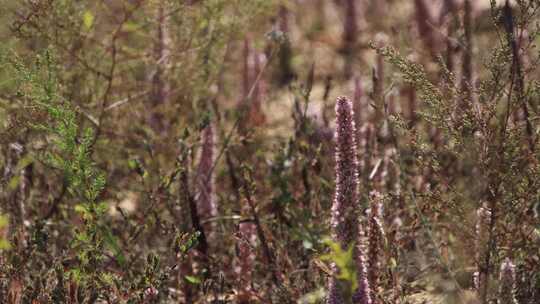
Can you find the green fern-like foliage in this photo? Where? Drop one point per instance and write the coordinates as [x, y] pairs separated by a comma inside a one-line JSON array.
[[69, 151]]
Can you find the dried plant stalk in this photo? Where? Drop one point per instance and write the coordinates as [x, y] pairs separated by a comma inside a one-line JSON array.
[[160, 86], [206, 205]]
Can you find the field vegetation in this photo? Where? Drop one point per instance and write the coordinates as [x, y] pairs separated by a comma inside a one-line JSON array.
[[270, 151]]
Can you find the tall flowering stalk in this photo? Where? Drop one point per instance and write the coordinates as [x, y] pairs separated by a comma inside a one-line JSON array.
[[507, 281], [345, 229], [344, 210], [363, 295], [375, 236]]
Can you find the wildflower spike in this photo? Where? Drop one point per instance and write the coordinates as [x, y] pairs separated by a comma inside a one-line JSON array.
[[344, 209]]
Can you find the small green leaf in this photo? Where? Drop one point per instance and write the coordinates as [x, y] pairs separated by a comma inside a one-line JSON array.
[[88, 19], [14, 182], [80, 208], [193, 279], [130, 27], [4, 244], [24, 162], [82, 237], [3, 221], [102, 207], [393, 263], [344, 261], [110, 241]]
